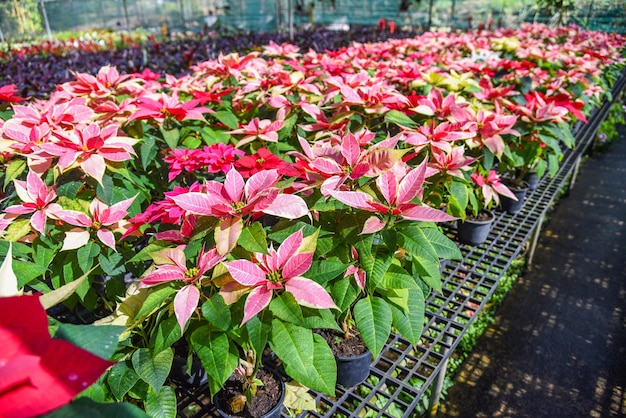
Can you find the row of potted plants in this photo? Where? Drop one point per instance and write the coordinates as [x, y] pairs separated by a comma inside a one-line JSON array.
[[281, 202], [37, 67]]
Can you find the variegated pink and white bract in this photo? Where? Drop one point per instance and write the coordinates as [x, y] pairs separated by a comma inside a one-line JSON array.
[[104, 219], [172, 266], [280, 269], [398, 188]]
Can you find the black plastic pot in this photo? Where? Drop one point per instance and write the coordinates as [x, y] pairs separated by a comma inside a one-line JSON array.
[[197, 376], [275, 412], [475, 232], [532, 180], [513, 206], [353, 370]]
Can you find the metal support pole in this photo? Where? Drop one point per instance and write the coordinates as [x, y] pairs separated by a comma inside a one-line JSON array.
[[290, 18], [435, 394], [533, 243], [182, 14], [45, 19], [126, 16], [452, 13], [589, 12], [430, 14], [1, 36], [575, 174], [102, 14]]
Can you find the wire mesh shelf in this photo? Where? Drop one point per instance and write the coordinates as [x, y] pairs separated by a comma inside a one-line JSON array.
[[402, 374]]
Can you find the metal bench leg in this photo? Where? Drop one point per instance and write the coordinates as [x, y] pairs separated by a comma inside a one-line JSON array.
[[533, 244], [435, 394], [575, 174]]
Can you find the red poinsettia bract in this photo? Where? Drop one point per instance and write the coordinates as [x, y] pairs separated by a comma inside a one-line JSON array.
[[38, 373]]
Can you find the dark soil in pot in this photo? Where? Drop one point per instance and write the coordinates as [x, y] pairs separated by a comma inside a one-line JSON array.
[[266, 403], [344, 347], [352, 357], [475, 229], [483, 216], [514, 206]]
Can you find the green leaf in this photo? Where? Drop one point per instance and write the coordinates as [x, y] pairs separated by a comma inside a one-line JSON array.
[[50, 299], [287, 308], [253, 238], [459, 196], [540, 168], [415, 242], [73, 203], [398, 278], [148, 151], [553, 164], [399, 118], [121, 379], [44, 251], [17, 229], [397, 297], [104, 191], [154, 300], [218, 355], [319, 319], [444, 246], [95, 392], [192, 142], [286, 131], [322, 271], [562, 133], [166, 334], [100, 340], [373, 319], [428, 271], [227, 118], [112, 264], [211, 136], [344, 293], [488, 158], [217, 313], [258, 329], [70, 189], [279, 235], [87, 408], [551, 142], [13, 171], [153, 369], [410, 322], [161, 404], [25, 271], [374, 264], [146, 253], [86, 255], [307, 358], [171, 137]]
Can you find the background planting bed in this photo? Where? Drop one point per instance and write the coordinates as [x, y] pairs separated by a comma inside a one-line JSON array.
[[402, 374]]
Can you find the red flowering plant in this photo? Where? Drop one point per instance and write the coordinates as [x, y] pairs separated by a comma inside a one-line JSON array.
[[486, 191], [40, 373], [263, 198]]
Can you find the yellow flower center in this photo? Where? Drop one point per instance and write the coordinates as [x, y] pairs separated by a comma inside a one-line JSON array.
[[275, 277]]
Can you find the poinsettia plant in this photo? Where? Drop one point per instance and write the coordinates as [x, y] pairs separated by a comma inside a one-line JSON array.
[[486, 191], [233, 213]]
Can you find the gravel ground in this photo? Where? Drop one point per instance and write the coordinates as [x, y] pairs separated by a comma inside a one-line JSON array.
[[558, 346]]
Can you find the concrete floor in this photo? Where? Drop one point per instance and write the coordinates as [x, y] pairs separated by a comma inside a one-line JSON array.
[[558, 347]]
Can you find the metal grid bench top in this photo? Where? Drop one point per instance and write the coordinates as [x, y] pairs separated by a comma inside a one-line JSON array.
[[402, 374]]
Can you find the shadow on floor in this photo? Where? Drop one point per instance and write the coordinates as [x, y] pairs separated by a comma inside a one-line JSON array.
[[558, 346]]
